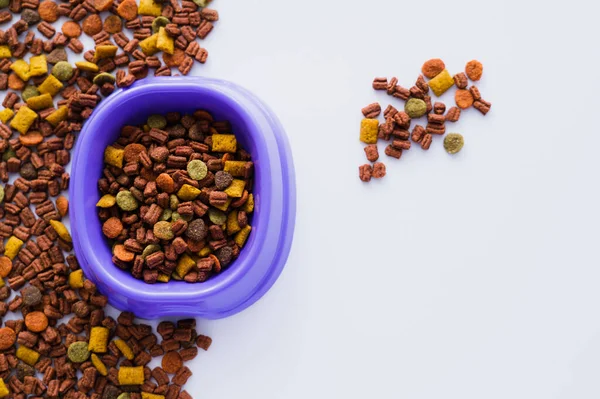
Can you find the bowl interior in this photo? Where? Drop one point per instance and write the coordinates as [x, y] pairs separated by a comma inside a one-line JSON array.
[[133, 108]]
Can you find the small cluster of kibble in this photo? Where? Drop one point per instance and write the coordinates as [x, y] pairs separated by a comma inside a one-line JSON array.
[[177, 197], [92, 355], [397, 125]]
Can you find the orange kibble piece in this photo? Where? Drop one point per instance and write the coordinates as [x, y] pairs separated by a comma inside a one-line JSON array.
[[112, 227], [113, 24], [15, 82], [128, 10], [71, 29], [122, 254], [463, 98], [5, 266], [92, 25], [31, 139], [7, 338], [48, 11], [172, 362], [433, 67], [175, 59], [103, 5], [165, 183], [474, 70], [131, 152], [36, 321], [62, 205]]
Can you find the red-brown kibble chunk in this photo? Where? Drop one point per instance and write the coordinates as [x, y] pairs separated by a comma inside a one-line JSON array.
[[172, 362], [365, 172], [378, 170], [433, 67], [203, 342]]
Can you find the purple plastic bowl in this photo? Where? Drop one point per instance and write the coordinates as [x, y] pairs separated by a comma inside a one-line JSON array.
[[263, 257]]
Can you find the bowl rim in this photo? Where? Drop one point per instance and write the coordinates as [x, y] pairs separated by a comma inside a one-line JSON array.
[[142, 291]]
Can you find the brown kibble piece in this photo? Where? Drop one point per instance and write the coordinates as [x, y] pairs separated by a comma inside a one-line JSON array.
[[482, 106], [365, 172], [474, 70], [5, 266], [7, 338], [433, 67], [112, 227], [390, 151], [378, 170], [36, 321], [71, 29], [92, 25], [131, 152], [463, 98], [371, 152], [461, 81], [172, 362], [453, 114], [113, 24], [48, 11], [128, 10], [371, 111]]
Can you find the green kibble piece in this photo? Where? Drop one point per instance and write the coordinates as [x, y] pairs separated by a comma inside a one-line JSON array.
[[1, 194], [216, 216], [78, 352], [157, 121], [149, 250], [175, 216], [197, 169], [201, 3], [4, 3], [159, 22], [163, 231], [102, 78], [126, 201], [124, 395], [28, 92], [415, 107], [166, 215], [8, 154], [173, 202], [453, 143], [62, 71]]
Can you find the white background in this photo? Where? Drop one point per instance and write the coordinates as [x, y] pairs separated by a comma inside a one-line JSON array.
[[468, 276]]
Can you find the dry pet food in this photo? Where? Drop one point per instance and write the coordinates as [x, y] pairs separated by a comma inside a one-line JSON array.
[[176, 197]]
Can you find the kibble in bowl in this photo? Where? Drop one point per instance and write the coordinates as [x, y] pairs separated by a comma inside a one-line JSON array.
[[201, 196]]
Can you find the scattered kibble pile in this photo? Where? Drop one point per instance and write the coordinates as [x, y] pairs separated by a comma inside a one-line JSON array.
[[418, 104], [177, 196], [59, 341]]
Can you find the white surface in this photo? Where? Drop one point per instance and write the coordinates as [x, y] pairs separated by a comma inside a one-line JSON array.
[[469, 276]]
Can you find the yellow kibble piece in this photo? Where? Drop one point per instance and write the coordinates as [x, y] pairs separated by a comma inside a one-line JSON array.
[[87, 66], [232, 223], [23, 119], [124, 348], [205, 251], [58, 116], [241, 237], [61, 230], [12, 247], [368, 130], [27, 355], [6, 114], [224, 206], [146, 395], [188, 193], [131, 375], [248, 207], [2, 283], [235, 168], [236, 189], [163, 278], [40, 102], [98, 339], [99, 365], [106, 201], [5, 52], [113, 156], [21, 69], [149, 7], [176, 277], [50, 85], [164, 42], [184, 265], [105, 51], [76, 279], [148, 45], [441, 83], [3, 389], [224, 143], [38, 65]]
